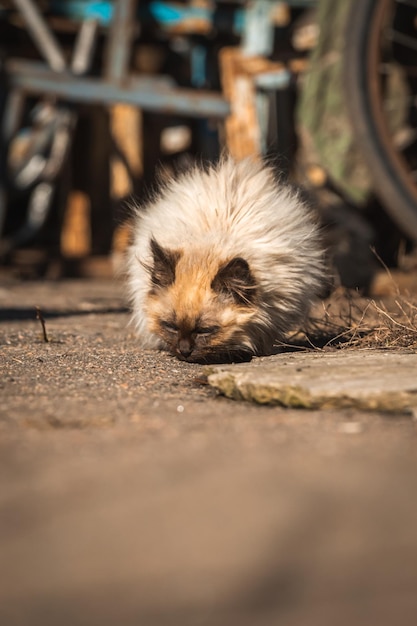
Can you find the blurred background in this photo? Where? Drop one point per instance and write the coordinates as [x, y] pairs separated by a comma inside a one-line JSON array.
[[97, 98]]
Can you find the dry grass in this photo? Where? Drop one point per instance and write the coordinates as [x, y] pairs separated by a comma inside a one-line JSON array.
[[349, 320]]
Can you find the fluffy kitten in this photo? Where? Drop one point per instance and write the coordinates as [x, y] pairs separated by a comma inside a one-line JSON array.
[[224, 262]]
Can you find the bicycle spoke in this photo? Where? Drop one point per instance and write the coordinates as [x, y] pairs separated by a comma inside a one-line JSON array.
[[400, 38], [386, 69], [405, 140], [410, 3]]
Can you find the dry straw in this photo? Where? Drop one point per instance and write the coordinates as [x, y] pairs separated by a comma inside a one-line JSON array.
[[349, 320]]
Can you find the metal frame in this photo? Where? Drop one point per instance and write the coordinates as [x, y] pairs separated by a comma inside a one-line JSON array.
[[68, 83]]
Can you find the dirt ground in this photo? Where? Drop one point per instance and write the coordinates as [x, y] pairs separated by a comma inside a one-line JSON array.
[[131, 493]]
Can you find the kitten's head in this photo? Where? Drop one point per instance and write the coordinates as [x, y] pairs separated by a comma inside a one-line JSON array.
[[198, 307]]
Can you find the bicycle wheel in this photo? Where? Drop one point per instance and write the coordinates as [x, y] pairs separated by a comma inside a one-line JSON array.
[[381, 92]]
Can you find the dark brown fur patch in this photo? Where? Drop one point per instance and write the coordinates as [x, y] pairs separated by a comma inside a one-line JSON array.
[[234, 279], [164, 264]]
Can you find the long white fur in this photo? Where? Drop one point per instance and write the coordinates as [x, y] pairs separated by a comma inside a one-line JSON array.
[[233, 209]]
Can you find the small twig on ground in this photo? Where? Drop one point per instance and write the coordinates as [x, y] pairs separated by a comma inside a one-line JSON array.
[[40, 317], [387, 270], [391, 319]]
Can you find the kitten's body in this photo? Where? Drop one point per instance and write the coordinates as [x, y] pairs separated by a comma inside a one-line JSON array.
[[224, 262]]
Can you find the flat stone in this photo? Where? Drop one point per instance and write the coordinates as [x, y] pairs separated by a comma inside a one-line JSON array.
[[371, 380]]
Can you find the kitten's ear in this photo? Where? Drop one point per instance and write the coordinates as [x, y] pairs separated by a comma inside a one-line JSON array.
[[163, 266], [236, 280]]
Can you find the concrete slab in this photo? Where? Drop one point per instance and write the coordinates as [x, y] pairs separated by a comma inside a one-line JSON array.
[[362, 379]]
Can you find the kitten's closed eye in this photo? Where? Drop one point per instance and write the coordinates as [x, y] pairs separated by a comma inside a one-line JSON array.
[[207, 330], [171, 327]]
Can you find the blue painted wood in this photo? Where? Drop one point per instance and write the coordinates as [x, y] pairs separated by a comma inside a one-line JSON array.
[[150, 94]]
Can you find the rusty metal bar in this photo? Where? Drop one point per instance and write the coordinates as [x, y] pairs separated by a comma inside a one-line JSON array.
[[119, 41], [149, 94], [41, 34]]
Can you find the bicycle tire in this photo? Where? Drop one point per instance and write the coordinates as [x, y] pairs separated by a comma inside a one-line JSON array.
[[390, 172]]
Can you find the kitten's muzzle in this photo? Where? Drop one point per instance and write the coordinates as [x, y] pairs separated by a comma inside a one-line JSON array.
[[185, 347]]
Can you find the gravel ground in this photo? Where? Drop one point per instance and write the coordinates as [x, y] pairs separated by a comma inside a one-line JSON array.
[[131, 493]]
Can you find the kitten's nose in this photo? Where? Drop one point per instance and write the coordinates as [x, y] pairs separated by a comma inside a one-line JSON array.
[[184, 347]]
